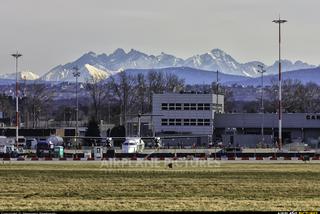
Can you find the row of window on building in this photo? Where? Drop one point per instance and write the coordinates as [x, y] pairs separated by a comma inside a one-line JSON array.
[[188, 106], [185, 122]]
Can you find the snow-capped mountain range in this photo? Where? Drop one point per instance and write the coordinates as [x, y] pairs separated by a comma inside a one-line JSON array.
[[93, 65], [213, 60]]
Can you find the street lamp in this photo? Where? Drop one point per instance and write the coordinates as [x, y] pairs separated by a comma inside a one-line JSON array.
[[76, 74], [262, 71], [16, 56], [279, 22]]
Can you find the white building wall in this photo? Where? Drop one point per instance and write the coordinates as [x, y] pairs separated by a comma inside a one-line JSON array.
[[177, 98]]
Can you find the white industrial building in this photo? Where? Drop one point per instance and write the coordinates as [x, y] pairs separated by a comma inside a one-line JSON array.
[[186, 113]]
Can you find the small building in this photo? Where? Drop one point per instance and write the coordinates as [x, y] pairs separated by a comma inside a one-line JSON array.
[[185, 113]]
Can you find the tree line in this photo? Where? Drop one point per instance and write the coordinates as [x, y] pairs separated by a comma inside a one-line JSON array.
[[124, 95]]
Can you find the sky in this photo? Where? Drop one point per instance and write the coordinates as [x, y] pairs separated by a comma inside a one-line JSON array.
[[53, 32]]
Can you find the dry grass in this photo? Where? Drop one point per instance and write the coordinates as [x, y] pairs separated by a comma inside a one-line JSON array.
[[92, 186]]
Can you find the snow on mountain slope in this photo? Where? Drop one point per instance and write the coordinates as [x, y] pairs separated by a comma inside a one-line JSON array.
[[87, 72], [23, 75]]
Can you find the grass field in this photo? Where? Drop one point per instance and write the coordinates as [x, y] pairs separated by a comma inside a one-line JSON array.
[[92, 186]]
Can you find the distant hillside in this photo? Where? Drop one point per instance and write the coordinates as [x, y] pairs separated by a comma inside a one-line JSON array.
[[303, 75], [192, 76]]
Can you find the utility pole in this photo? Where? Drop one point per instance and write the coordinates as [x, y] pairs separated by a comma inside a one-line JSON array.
[[16, 56], [279, 22], [262, 71]]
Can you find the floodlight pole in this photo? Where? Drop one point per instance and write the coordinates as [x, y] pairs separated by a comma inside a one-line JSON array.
[[262, 71], [139, 124], [76, 74], [279, 22], [16, 56], [217, 85]]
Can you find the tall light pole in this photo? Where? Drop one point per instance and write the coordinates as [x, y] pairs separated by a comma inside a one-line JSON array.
[[217, 85], [262, 71], [279, 22], [16, 56], [76, 74]]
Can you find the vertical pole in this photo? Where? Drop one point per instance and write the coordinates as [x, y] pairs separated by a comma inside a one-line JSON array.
[[139, 125], [108, 110], [262, 106], [280, 91], [262, 109], [217, 86], [76, 74], [16, 56], [77, 110], [279, 22], [17, 103]]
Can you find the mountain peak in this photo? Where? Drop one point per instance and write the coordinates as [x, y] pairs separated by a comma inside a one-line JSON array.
[[217, 50], [119, 51], [135, 52], [91, 53]]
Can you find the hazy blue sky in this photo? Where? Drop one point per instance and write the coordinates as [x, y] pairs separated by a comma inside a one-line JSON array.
[[52, 32]]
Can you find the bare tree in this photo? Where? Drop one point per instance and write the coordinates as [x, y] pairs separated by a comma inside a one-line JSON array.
[[173, 83], [158, 82], [293, 96], [97, 92], [123, 87], [141, 92], [6, 107], [312, 95], [36, 101]]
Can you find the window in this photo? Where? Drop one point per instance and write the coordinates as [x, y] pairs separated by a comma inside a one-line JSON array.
[[193, 122], [200, 122], [171, 106], [171, 122], [178, 122], [186, 122], [164, 106], [164, 122], [207, 106], [207, 122], [178, 106], [186, 106], [200, 106], [193, 106]]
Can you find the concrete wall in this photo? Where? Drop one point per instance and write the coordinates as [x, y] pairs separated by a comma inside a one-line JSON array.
[[247, 140]]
